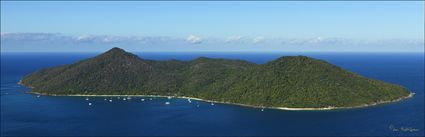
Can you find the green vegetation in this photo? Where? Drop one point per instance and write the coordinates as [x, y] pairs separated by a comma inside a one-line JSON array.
[[293, 81]]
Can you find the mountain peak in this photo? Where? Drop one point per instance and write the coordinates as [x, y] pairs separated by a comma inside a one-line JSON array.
[[298, 59], [117, 52]]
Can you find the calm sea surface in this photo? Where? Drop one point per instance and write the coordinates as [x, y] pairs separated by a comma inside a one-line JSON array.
[[26, 114]]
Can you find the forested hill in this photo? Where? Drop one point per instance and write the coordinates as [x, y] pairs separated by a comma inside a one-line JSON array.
[[291, 81]]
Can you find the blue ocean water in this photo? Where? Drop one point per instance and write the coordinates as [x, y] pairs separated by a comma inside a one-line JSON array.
[[27, 114]]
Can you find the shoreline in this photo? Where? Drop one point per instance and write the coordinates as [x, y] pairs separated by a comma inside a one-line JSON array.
[[239, 104], [411, 94]]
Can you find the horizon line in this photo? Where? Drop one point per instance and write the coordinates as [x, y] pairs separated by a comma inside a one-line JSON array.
[[216, 51]]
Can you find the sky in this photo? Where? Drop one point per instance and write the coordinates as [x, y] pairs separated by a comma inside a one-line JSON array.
[[238, 26]]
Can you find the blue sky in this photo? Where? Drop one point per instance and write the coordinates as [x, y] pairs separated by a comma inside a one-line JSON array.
[[213, 26]]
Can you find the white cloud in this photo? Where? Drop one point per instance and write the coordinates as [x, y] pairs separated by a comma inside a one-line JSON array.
[[258, 39], [194, 39], [317, 40], [328, 41], [84, 38], [112, 39], [233, 38], [234, 42], [109, 39], [30, 36]]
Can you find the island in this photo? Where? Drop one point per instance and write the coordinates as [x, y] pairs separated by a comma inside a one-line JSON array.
[[289, 82]]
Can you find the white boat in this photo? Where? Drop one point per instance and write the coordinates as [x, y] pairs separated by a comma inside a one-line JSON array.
[[110, 100], [124, 99], [189, 100], [169, 97], [104, 99], [142, 99], [212, 104], [262, 109], [38, 96], [167, 103], [89, 104], [150, 98], [87, 98], [128, 98]]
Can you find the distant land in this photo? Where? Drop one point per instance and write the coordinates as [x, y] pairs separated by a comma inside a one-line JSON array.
[[289, 82]]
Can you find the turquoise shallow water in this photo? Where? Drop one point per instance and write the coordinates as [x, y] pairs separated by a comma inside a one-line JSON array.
[[27, 114]]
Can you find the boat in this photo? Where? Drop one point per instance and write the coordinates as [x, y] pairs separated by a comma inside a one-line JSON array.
[[124, 99], [89, 104], [189, 100], [38, 96], [167, 103], [150, 98], [87, 98], [169, 97], [212, 104], [110, 100], [142, 99]]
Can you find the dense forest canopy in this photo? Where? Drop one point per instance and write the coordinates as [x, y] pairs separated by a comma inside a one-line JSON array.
[[290, 81]]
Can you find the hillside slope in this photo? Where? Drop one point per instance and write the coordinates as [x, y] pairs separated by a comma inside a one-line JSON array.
[[293, 81]]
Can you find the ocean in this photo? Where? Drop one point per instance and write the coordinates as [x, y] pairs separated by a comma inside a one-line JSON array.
[[24, 114]]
